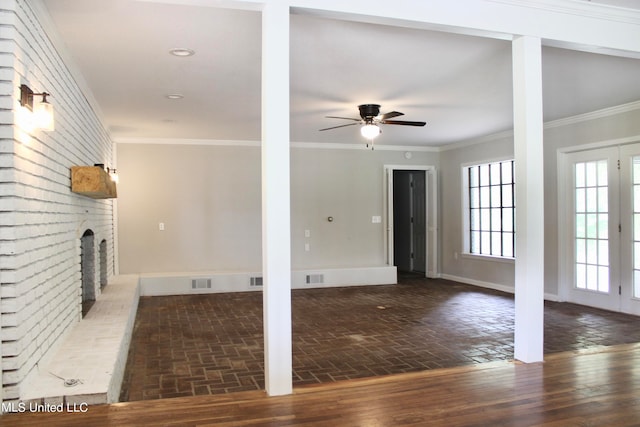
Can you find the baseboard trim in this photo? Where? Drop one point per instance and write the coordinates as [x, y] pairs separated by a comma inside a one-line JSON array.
[[494, 286], [217, 282]]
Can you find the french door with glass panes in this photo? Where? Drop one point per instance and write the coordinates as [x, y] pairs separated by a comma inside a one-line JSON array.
[[630, 228], [603, 212]]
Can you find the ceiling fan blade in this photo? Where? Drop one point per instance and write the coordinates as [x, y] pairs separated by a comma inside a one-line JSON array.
[[344, 118], [391, 114], [402, 122], [341, 126]]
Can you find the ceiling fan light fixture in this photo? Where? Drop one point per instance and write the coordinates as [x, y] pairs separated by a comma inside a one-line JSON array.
[[370, 131]]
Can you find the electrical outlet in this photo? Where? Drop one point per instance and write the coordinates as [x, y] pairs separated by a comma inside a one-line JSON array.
[[161, 226]]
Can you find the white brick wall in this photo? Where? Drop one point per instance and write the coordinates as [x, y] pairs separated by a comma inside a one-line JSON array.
[[41, 221]]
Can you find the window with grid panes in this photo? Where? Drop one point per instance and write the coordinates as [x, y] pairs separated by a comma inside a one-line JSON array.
[[491, 212]]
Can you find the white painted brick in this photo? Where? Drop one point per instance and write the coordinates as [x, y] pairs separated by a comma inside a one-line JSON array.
[[7, 32], [11, 348], [8, 5], [8, 248], [9, 89], [8, 46], [6, 132], [43, 219], [6, 59], [8, 75], [11, 392], [9, 319], [12, 377]]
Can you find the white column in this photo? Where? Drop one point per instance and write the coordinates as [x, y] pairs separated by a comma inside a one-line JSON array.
[[276, 222], [528, 149]]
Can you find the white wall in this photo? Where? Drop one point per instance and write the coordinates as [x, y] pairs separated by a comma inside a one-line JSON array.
[[41, 221], [454, 262], [208, 199], [208, 196], [347, 185], [594, 128]]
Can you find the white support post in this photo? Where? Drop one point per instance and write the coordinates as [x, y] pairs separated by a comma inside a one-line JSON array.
[[529, 167], [276, 221]]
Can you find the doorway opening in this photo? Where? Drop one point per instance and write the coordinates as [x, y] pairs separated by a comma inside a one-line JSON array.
[[411, 221], [103, 264], [87, 271]]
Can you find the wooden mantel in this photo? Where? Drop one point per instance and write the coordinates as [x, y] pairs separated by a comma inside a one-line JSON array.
[[92, 181]]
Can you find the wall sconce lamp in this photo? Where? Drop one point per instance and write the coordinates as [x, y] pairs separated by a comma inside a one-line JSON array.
[[42, 112], [113, 173]]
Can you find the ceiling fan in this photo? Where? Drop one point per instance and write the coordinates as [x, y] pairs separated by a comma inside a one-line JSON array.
[[370, 119]]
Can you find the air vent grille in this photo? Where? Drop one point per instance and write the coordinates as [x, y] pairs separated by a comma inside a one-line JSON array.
[[313, 279], [201, 283], [255, 281]]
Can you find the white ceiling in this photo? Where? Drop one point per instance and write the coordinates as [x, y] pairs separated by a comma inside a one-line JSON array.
[[460, 85]]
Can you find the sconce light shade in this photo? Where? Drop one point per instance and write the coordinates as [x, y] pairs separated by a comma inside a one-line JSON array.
[[370, 131], [114, 175], [43, 114], [43, 111]]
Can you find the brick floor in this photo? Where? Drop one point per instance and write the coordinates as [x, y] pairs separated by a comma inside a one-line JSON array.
[[208, 344]]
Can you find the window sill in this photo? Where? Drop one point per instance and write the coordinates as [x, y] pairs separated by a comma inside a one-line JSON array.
[[488, 258]]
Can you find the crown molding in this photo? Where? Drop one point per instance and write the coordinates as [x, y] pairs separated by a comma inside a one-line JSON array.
[[186, 141], [475, 141], [579, 8], [598, 114], [567, 121], [240, 143], [362, 146], [585, 117]]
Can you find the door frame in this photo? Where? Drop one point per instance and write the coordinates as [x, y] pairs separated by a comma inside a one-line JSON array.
[[565, 239], [629, 302], [432, 269], [567, 290]]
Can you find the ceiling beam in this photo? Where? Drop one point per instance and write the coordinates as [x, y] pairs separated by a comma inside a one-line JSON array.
[[572, 24], [569, 24]]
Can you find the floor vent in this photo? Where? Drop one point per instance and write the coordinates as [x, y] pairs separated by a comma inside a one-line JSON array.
[[201, 283], [256, 281], [313, 279]]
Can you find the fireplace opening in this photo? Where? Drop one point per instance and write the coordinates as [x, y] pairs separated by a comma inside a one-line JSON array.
[[87, 271], [103, 263]]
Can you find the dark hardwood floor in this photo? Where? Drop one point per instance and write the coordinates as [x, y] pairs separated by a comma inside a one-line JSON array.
[[598, 387]]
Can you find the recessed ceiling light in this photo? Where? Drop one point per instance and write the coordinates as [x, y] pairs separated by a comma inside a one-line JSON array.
[[181, 51], [174, 96]]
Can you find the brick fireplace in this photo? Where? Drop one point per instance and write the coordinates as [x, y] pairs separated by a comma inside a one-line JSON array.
[[87, 271]]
